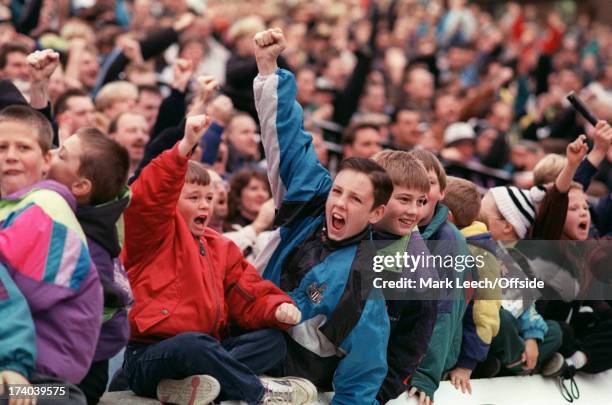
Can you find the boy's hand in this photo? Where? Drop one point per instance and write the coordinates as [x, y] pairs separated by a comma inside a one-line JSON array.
[[423, 398], [460, 378], [576, 151], [9, 377], [194, 130], [530, 355], [269, 44], [182, 70], [42, 64], [288, 313]]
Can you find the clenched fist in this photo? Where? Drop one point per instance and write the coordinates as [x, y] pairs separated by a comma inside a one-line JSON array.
[[288, 313], [194, 130], [269, 44], [42, 64]]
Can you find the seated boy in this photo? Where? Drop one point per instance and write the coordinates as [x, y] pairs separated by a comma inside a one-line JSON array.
[[44, 254], [189, 283], [413, 317], [463, 201], [316, 254], [454, 342], [95, 169]]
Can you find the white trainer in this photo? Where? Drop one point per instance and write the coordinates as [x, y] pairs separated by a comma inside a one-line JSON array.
[[193, 390], [288, 390]]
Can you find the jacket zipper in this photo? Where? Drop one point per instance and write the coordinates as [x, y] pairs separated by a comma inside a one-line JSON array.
[[214, 285]]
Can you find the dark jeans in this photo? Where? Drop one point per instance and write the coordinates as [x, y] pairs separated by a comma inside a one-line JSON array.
[[508, 346], [94, 383], [235, 362], [75, 396]]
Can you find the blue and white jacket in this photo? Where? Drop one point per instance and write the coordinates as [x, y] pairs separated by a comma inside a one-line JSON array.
[[341, 343]]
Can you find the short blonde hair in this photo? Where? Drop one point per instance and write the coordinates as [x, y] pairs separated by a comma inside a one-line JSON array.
[[247, 26], [76, 28], [113, 92], [463, 200], [547, 169], [403, 169]]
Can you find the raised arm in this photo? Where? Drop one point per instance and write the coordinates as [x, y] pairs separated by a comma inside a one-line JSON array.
[[156, 192], [294, 172]]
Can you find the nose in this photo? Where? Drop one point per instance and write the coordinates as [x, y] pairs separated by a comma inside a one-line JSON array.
[[204, 204], [11, 154]]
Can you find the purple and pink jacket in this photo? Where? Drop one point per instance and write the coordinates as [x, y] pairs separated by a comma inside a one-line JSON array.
[[50, 294]]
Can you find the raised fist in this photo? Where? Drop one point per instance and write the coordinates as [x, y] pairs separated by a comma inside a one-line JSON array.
[[576, 151], [182, 70], [269, 44], [221, 110], [195, 126], [42, 64]]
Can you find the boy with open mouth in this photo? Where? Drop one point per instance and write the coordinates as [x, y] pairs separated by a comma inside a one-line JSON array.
[[316, 254]]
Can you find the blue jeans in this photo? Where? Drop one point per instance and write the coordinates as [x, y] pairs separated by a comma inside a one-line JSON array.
[[235, 362]]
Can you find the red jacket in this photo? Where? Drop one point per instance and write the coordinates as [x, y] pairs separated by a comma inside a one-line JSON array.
[[176, 288]]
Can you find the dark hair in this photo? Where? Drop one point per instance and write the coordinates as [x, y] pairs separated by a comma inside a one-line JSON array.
[[239, 181], [104, 162], [61, 104], [348, 138], [33, 119], [9, 48], [381, 182]]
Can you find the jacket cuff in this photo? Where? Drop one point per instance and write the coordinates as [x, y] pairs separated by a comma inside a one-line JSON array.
[[466, 362], [533, 334]]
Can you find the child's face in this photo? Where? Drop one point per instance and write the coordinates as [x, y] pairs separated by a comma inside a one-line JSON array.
[[349, 207], [66, 162], [195, 206], [578, 218], [22, 161], [402, 212], [433, 197]]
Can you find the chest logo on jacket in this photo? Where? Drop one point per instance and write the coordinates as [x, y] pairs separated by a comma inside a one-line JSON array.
[[315, 293]]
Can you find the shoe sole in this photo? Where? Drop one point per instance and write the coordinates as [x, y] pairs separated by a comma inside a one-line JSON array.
[[194, 390], [553, 367]]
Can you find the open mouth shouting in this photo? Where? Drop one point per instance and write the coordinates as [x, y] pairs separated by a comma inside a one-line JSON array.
[[338, 222]]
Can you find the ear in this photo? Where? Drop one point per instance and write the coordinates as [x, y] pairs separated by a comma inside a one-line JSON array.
[[81, 188], [450, 217], [442, 195], [377, 214], [509, 230], [46, 166]]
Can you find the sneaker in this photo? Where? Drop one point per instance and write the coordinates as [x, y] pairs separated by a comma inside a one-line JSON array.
[[194, 390], [288, 390], [554, 366]]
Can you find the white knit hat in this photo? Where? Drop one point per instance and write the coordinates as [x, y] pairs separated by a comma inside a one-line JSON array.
[[517, 206]]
